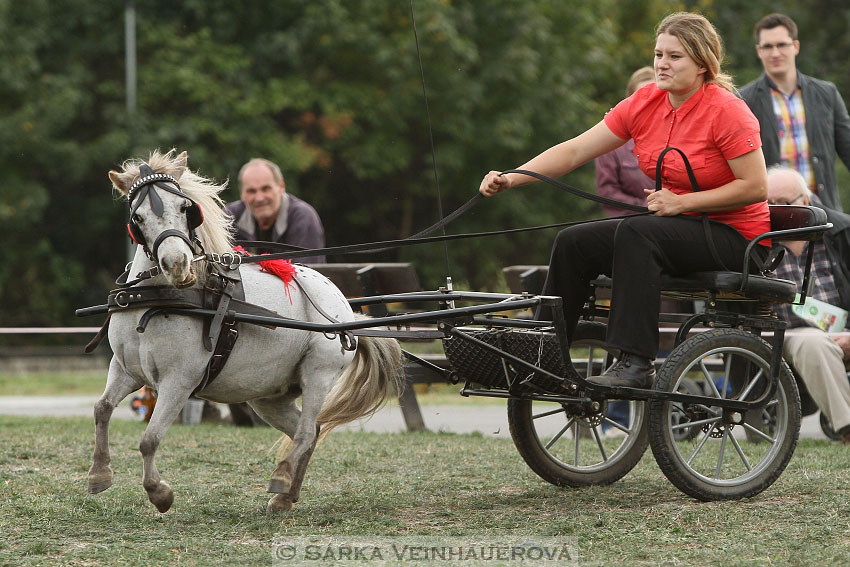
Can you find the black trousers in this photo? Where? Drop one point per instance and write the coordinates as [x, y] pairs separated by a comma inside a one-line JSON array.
[[635, 251]]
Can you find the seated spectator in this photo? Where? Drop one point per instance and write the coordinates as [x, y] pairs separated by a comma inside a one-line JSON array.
[[818, 357], [267, 212]]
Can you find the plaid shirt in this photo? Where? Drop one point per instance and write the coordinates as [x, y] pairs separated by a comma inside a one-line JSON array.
[[821, 281], [793, 142]]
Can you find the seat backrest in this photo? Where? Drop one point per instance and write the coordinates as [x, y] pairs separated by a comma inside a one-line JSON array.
[[787, 217]]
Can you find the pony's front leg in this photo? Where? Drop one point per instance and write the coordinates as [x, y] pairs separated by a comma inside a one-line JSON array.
[[118, 385], [170, 400]]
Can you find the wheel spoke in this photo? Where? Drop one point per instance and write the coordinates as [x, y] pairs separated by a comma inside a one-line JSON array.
[[599, 444], [619, 426], [709, 379], [759, 432], [589, 369], [695, 423], [701, 443], [726, 376], [722, 452], [752, 384], [548, 413], [740, 452], [575, 435], [561, 432]]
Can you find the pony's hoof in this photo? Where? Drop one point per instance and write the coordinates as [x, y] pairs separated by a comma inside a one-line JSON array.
[[98, 482], [98, 487], [278, 486], [162, 497], [279, 503]]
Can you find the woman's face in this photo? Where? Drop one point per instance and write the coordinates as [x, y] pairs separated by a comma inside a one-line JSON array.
[[675, 71]]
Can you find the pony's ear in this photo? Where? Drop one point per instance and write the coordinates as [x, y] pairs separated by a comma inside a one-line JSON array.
[[121, 181], [180, 163]]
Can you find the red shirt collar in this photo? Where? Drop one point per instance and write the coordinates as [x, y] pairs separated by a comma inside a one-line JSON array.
[[688, 105]]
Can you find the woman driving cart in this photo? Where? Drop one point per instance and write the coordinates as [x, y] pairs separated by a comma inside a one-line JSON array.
[[691, 106]]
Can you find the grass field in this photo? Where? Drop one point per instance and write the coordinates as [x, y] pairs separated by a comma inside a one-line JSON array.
[[362, 484], [88, 382]]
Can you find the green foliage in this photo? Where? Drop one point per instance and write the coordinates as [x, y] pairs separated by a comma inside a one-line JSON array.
[[331, 91]]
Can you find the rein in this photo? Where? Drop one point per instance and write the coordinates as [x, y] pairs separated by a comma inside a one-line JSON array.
[[290, 251]]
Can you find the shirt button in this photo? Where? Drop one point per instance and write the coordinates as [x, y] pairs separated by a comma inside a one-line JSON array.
[[815, 159]]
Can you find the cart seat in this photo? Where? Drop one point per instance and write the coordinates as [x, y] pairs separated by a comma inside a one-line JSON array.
[[787, 222]]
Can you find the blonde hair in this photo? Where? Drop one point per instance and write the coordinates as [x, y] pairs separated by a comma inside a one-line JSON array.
[[642, 75], [701, 42]]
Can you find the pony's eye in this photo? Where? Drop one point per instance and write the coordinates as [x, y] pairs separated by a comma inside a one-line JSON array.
[[137, 219]]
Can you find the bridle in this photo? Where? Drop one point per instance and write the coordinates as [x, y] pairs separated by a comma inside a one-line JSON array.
[[145, 187]]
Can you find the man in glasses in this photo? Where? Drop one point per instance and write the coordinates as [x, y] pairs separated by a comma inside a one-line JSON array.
[[818, 357], [804, 121]]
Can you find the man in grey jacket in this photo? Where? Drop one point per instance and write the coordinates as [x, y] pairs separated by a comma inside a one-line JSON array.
[[267, 212], [804, 121]]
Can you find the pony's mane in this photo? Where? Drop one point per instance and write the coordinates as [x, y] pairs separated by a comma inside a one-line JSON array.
[[216, 232]]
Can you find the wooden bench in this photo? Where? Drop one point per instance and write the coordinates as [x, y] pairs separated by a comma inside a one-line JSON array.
[[525, 278], [367, 279]]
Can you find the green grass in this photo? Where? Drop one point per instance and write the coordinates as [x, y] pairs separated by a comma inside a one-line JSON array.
[[92, 383], [388, 484], [60, 383]]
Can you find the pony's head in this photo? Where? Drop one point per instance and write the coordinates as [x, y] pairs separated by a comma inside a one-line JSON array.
[[171, 211]]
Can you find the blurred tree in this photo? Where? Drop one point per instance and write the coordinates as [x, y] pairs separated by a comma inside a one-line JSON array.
[[329, 89]]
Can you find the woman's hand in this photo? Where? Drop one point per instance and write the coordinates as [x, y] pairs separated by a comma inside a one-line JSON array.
[[664, 203], [494, 182]]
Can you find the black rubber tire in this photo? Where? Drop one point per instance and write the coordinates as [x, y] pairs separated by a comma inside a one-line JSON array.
[[773, 456], [827, 429], [545, 462]]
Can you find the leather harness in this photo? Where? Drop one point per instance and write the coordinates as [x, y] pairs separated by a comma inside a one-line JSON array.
[[223, 292]]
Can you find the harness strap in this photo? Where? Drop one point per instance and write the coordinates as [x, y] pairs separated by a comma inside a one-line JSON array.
[[211, 338], [154, 296], [169, 233], [346, 338], [695, 187], [98, 338]]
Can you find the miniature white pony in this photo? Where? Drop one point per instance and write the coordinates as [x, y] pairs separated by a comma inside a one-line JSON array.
[[268, 368]]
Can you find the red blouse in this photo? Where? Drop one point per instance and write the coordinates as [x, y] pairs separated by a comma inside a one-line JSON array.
[[711, 127]]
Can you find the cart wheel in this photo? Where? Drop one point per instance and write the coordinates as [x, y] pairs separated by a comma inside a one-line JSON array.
[[720, 463], [565, 444], [827, 429]]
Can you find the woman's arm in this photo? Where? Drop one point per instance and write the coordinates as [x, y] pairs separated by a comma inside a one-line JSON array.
[[749, 186], [557, 160]]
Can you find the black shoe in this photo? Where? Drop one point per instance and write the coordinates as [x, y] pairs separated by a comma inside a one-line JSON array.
[[631, 371]]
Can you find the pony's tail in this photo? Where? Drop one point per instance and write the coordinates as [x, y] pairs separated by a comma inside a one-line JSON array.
[[362, 389], [373, 376]]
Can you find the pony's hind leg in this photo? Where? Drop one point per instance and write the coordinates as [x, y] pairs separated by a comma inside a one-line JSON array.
[[301, 427], [118, 385]]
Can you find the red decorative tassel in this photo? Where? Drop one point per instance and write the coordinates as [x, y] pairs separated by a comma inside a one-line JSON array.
[[283, 269]]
